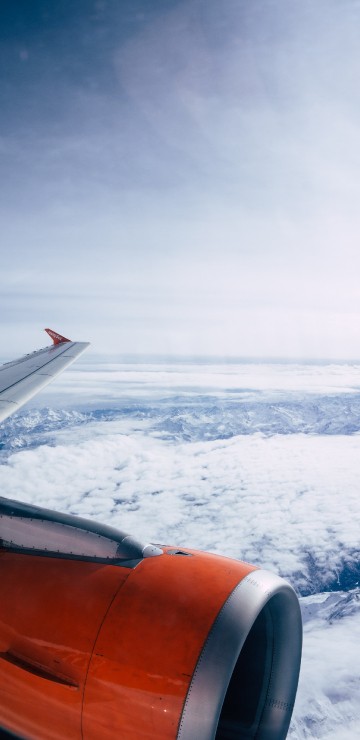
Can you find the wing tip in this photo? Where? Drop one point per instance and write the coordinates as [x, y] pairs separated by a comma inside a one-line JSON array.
[[57, 338]]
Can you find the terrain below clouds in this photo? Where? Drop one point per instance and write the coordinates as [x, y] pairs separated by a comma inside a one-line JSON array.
[[266, 472]]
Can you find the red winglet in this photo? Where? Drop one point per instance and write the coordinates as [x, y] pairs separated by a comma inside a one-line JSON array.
[[57, 338]]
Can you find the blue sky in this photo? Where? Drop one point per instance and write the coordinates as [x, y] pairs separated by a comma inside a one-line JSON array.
[[181, 176]]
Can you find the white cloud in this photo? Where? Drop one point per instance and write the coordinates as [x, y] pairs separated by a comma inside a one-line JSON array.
[[264, 500], [273, 501], [327, 704], [287, 502]]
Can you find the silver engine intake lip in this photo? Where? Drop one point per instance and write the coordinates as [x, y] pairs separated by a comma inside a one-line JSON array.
[[245, 681]]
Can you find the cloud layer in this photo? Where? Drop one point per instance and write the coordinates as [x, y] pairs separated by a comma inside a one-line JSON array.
[[209, 455], [285, 501]]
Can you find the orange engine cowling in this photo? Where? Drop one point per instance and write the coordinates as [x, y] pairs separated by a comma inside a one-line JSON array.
[[103, 637]]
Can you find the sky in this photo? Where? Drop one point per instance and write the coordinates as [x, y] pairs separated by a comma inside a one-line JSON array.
[[181, 176]]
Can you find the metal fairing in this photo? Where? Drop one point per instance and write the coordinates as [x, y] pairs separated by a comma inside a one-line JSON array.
[[35, 530]]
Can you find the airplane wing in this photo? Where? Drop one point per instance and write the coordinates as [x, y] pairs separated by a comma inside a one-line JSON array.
[[22, 379]]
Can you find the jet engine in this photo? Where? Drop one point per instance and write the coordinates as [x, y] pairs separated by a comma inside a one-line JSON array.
[[103, 637]]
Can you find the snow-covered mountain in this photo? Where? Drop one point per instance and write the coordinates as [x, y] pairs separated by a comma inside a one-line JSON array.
[[255, 461]]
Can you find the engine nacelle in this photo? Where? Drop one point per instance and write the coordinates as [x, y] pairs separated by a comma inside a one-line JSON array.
[[103, 637]]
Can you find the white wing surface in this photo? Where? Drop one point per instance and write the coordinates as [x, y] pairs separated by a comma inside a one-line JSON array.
[[22, 379]]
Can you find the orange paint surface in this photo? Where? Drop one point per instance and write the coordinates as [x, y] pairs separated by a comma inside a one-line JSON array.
[[50, 613], [97, 651], [150, 642]]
